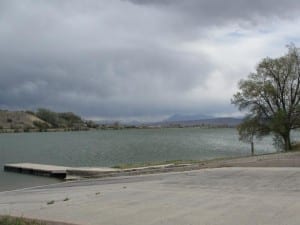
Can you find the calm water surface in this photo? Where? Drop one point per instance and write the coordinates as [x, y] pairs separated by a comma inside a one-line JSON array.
[[113, 147]]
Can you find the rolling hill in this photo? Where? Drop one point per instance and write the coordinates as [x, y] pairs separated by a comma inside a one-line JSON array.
[[18, 120]]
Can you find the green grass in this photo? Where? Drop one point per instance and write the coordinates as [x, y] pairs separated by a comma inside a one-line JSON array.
[[7, 220], [175, 162], [136, 165], [295, 147]]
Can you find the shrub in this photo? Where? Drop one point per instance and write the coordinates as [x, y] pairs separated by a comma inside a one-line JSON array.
[[48, 116], [91, 124], [27, 128], [30, 112], [40, 125]]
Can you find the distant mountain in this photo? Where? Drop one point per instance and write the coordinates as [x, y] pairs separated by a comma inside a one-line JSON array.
[[221, 121], [133, 123], [187, 117]]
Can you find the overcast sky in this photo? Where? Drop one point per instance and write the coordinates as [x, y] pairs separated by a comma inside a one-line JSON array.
[[139, 59]]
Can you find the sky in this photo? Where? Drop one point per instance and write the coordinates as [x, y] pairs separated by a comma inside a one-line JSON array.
[[139, 60]]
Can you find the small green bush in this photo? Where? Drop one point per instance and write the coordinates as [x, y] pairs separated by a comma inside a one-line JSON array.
[[30, 112], [40, 125], [27, 128]]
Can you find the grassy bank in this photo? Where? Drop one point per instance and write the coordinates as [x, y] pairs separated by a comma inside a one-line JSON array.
[[149, 164], [296, 150], [7, 220]]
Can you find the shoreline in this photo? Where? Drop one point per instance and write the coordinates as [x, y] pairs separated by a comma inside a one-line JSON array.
[[125, 127], [283, 159]]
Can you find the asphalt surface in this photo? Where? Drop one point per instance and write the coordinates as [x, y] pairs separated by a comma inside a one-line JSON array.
[[222, 196]]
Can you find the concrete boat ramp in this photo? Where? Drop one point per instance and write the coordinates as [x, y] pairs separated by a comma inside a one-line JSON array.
[[223, 196], [58, 171]]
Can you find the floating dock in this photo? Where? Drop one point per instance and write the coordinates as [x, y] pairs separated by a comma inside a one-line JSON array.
[[37, 169], [59, 171]]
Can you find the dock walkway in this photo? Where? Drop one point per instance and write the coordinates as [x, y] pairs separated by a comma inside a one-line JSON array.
[[37, 169], [56, 171]]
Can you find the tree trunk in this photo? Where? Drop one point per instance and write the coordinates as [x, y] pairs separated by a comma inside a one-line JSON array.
[[287, 141], [289, 144], [252, 148]]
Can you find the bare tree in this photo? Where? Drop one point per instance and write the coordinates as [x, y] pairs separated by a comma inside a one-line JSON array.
[[272, 96]]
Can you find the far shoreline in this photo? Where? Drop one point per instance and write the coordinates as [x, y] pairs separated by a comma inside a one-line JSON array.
[[52, 130]]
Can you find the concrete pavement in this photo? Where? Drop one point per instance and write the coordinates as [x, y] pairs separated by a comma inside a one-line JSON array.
[[222, 196]]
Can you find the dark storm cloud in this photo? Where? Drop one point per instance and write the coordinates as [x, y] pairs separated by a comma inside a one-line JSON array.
[[116, 79], [223, 11], [115, 58]]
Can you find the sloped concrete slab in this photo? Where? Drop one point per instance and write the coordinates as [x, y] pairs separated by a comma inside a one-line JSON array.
[[224, 196]]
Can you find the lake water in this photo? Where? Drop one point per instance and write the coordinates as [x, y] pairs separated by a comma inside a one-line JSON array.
[[113, 147]]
